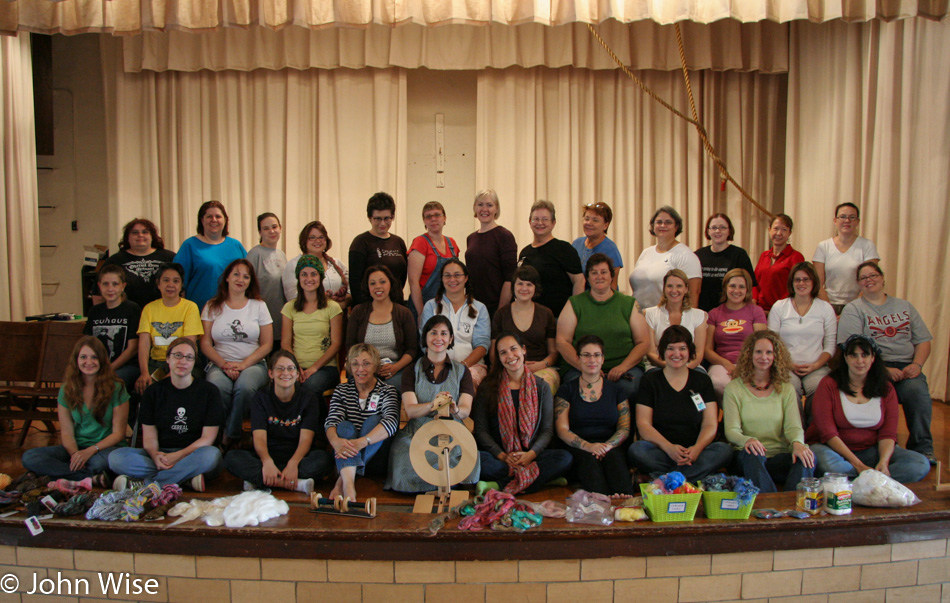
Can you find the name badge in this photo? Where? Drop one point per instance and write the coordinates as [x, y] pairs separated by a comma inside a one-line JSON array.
[[698, 401], [373, 402]]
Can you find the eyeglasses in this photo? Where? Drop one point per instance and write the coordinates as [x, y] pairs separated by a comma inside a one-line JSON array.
[[453, 275], [180, 356], [316, 238], [663, 222], [848, 218], [433, 215], [798, 281], [541, 220], [284, 369], [587, 356], [361, 365], [598, 205], [718, 228], [379, 219], [867, 277]]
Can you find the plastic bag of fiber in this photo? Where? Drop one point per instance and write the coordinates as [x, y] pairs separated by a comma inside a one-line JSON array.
[[589, 507], [874, 489], [252, 508]]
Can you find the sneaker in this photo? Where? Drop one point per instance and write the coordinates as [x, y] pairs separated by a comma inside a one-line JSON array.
[[197, 483], [124, 482], [483, 487], [930, 457], [305, 486]]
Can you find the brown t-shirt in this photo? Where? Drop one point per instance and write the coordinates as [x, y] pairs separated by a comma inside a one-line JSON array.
[[543, 327]]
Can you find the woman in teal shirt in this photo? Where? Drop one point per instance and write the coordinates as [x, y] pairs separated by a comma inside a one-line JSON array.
[[93, 416]]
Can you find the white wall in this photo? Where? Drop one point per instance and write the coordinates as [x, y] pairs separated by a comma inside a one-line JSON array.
[[453, 94], [77, 184]]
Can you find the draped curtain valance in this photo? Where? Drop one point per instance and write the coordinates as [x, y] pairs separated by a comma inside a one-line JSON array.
[[722, 46], [136, 16]]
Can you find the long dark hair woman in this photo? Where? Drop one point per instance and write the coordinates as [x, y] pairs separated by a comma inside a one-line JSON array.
[[855, 414], [514, 423]]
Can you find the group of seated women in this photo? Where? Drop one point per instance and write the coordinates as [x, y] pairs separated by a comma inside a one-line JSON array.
[[556, 349]]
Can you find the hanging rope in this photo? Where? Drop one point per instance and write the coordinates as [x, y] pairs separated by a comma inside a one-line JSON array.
[[694, 120]]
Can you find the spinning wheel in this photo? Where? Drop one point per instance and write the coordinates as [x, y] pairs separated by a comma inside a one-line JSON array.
[[448, 436]]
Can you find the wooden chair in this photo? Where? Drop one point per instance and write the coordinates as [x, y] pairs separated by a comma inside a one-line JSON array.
[[22, 345], [39, 402]]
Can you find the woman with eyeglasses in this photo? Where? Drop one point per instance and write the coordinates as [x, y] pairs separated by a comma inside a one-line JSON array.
[[807, 326], [856, 415], [592, 417], [469, 318], [180, 419], [427, 255], [289, 440], [555, 260], [597, 218], [775, 264], [364, 413], [718, 258], [897, 328], [491, 254], [205, 255], [646, 279], [837, 258], [315, 242], [379, 246]]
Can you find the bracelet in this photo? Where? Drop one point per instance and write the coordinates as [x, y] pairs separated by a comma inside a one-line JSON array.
[[919, 365], [97, 447], [369, 442]]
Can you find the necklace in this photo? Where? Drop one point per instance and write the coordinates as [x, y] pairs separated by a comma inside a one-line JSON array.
[[762, 388], [591, 384]]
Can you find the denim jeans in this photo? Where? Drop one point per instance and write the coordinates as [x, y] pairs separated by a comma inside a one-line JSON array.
[[54, 462], [764, 472], [325, 378], [649, 458], [247, 466], [914, 396], [347, 431], [237, 394], [136, 463], [906, 466]]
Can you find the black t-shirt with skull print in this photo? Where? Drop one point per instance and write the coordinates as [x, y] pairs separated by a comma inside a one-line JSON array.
[[179, 415]]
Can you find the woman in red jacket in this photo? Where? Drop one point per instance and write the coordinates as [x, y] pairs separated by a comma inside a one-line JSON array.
[[854, 418]]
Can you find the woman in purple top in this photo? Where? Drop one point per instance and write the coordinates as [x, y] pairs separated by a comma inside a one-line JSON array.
[[731, 323], [491, 254]]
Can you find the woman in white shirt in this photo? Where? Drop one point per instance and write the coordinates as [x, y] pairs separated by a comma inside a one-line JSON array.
[[238, 336], [315, 241], [808, 327], [675, 309], [837, 258], [668, 253]]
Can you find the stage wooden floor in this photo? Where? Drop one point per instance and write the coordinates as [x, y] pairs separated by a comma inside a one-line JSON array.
[[396, 533]]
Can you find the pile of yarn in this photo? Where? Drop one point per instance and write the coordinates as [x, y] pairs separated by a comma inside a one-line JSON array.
[[673, 482], [499, 511], [720, 482]]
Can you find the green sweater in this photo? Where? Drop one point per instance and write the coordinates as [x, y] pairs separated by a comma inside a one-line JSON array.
[[609, 320], [773, 420]]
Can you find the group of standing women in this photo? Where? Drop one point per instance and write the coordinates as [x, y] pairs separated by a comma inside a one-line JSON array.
[[567, 353]]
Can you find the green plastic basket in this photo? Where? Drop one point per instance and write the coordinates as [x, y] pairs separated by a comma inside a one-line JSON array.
[[669, 507], [725, 505]]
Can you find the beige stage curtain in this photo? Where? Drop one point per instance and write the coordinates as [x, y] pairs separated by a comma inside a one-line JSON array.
[[19, 234], [135, 16], [724, 45], [304, 144], [575, 136], [868, 123]]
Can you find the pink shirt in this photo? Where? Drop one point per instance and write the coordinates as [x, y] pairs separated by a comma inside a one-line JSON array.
[[732, 327]]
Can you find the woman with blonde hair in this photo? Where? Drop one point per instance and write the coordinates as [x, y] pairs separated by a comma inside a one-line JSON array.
[[491, 254], [761, 416], [675, 308]]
